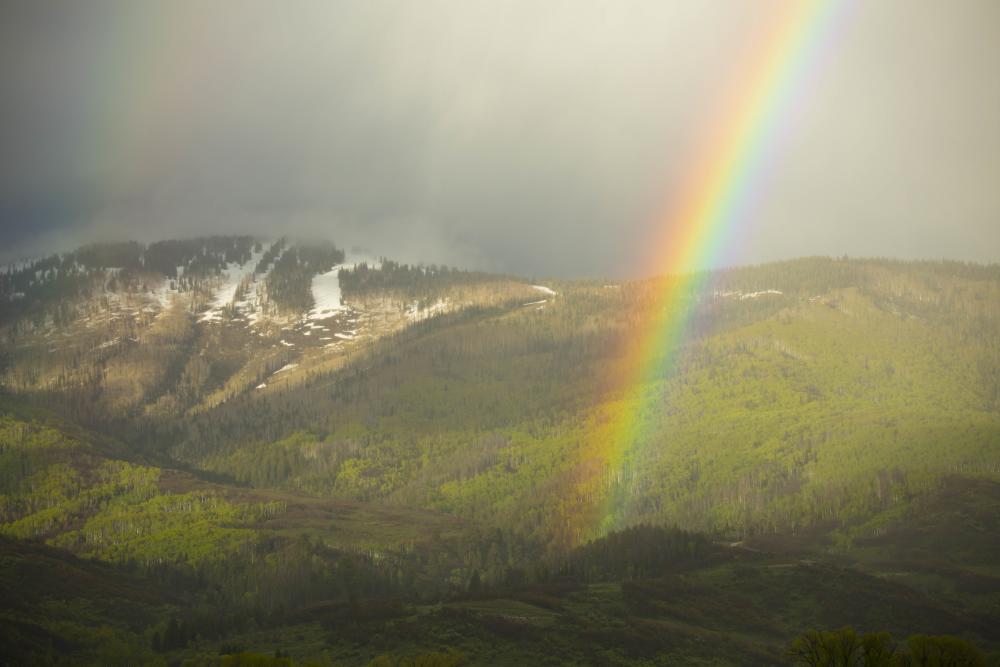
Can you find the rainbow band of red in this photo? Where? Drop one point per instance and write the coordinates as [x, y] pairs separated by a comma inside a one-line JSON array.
[[713, 207]]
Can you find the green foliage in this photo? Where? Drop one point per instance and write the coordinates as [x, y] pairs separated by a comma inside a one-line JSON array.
[[828, 402], [188, 528], [824, 446], [48, 481], [56, 605], [845, 648], [253, 660], [425, 660], [636, 553]]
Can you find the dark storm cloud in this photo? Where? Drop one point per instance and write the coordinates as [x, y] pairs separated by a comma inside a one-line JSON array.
[[540, 138]]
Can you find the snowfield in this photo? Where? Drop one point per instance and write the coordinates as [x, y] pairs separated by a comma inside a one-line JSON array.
[[327, 298], [326, 294]]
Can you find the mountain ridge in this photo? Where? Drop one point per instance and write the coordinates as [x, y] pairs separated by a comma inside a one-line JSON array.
[[821, 411]]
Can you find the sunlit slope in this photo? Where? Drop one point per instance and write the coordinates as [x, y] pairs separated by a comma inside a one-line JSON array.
[[810, 391], [828, 409], [831, 429], [120, 335], [68, 488]]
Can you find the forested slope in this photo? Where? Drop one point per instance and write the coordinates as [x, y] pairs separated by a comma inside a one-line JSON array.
[[419, 466], [791, 407]]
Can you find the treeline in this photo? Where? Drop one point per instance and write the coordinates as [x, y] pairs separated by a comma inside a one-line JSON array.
[[499, 562], [48, 288], [846, 648], [637, 552], [269, 256], [199, 256], [289, 283], [287, 581], [413, 281]]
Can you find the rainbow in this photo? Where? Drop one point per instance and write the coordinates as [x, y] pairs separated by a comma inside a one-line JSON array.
[[715, 204]]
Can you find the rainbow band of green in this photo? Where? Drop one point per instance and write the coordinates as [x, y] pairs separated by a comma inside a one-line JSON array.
[[716, 205]]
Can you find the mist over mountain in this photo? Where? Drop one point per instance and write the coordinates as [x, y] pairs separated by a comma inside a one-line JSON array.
[[540, 140]]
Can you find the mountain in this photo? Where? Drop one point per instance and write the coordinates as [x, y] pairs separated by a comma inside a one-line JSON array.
[[291, 448]]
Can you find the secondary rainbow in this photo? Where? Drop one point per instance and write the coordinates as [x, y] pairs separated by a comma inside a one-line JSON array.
[[708, 214]]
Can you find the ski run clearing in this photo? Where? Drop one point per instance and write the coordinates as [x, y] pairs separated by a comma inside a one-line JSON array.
[[328, 301], [326, 294], [226, 293]]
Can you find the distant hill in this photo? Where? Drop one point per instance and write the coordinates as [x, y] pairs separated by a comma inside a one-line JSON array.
[[312, 440]]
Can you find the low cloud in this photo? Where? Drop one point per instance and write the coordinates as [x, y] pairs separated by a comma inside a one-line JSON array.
[[537, 138]]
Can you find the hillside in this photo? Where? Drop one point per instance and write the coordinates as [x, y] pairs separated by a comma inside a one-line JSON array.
[[339, 457]]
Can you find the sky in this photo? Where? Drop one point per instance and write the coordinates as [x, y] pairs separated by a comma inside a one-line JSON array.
[[538, 138]]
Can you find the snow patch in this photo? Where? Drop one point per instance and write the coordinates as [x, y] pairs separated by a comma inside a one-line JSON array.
[[544, 290], [226, 293], [326, 289], [109, 343], [416, 314], [743, 296], [286, 367], [165, 293], [326, 294]]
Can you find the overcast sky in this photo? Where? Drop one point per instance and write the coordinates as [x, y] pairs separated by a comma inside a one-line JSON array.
[[536, 137]]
